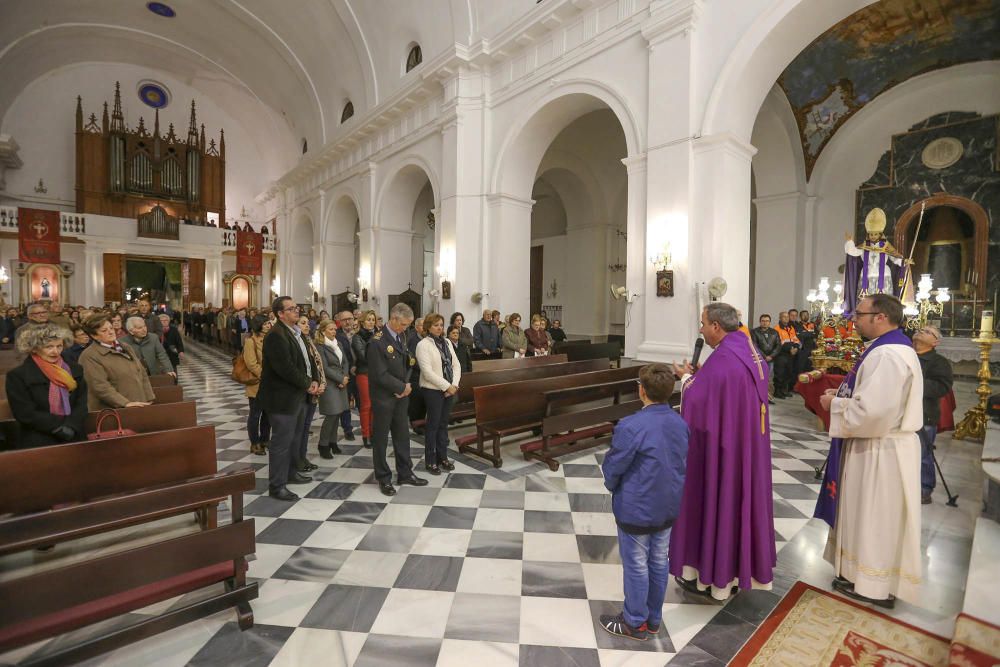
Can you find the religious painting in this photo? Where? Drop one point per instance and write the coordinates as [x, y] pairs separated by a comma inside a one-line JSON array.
[[44, 283], [241, 293], [664, 283], [249, 253]]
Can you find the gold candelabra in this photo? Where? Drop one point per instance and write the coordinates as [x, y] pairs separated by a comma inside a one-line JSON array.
[[973, 424]]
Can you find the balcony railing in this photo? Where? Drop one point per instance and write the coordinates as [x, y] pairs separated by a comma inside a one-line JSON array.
[[70, 224], [229, 240]]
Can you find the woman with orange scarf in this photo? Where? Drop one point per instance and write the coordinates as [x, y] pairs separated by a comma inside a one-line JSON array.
[[47, 395]]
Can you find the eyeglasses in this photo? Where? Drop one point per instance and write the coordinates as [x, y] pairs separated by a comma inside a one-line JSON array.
[[858, 312], [930, 333], [290, 309]]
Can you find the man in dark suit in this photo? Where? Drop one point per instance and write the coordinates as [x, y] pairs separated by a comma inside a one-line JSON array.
[[288, 379], [345, 324], [389, 366]]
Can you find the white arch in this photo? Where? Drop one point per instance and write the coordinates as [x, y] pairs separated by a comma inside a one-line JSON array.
[[409, 160], [528, 138], [336, 197], [774, 39]]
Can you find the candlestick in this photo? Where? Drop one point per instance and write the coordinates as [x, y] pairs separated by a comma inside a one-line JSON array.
[[973, 424]]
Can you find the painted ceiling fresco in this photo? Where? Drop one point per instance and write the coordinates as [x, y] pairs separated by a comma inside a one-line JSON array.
[[876, 48]]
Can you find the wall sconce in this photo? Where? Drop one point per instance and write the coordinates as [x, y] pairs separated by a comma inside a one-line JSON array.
[[664, 273], [276, 286], [314, 286], [444, 271], [363, 274]]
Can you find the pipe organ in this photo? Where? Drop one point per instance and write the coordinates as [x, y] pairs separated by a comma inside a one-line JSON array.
[[124, 172]]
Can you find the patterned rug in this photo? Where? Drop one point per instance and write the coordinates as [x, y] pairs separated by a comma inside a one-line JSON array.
[[813, 627]]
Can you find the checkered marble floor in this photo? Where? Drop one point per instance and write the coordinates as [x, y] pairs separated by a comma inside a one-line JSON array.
[[483, 566]]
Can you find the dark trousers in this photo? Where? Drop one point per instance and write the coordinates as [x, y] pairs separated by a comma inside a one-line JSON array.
[[345, 416], [417, 409], [436, 430], [287, 433], [299, 454], [389, 416], [928, 480], [784, 373], [258, 427]]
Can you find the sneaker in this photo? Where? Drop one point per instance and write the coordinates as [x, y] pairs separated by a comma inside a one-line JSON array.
[[616, 625], [652, 628]]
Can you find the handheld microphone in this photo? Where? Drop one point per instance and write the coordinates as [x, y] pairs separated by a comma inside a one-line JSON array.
[[698, 344]]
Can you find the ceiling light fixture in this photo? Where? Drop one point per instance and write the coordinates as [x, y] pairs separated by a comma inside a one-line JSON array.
[[161, 9]]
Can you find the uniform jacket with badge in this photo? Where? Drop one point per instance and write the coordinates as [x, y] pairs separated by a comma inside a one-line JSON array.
[[389, 364], [285, 378]]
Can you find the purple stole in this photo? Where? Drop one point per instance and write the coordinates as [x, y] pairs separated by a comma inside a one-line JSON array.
[[826, 504]]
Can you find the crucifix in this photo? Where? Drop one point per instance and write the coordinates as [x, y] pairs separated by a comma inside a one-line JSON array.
[[41, 229], [250, 247]]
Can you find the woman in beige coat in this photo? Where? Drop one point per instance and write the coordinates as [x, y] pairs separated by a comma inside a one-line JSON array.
[[115, 375], [258, 427], [513, 342]]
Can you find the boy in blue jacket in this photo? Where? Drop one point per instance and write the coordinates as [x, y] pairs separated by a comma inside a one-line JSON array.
[[644, 470]]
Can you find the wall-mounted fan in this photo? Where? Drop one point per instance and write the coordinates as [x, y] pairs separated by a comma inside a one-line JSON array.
[[619, 292], [352, 297], [477, 297], [717, 288]]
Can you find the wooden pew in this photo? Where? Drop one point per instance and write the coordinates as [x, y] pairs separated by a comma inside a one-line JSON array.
[[565, 431], [156, 417], [504, 364], [465, 406], [162, 380], [519, 407], [168, 394], [52, 502], [610, 351]]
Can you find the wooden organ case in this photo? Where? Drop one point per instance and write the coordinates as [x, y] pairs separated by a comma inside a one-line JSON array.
[[124, 172]]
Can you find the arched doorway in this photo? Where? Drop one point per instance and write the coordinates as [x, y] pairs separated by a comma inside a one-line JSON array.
[[565, 168], [341, 249], [405, 239], [953, 240]]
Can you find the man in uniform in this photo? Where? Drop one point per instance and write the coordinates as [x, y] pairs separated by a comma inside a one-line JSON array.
[[389, 366]]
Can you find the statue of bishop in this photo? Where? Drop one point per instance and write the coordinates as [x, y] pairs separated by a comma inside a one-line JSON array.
[[875, 267]]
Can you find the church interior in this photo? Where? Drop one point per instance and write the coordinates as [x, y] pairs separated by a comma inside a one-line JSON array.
[[615, 166]]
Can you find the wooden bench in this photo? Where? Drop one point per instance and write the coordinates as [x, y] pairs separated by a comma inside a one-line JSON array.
[[168, 394], [568, 430], [503, 364], [52, 502], [519, 407], [610, 351], [162, 380], [465, 407]]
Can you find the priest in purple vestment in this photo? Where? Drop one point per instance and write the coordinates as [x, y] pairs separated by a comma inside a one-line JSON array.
[[724, 536]]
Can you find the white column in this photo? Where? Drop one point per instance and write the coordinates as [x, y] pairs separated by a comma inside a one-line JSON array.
[[780, 251], [368, 255], [461, 245], [92, 276], [508, 239], [213, 280], [635, 251]]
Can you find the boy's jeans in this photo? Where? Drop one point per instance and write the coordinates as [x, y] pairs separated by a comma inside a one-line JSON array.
[[644, 561]]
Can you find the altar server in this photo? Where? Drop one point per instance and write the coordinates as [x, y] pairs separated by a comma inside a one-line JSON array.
[[874, 544], [724, 534]]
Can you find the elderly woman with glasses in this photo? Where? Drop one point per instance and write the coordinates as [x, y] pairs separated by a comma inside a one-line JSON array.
[[47, 395]]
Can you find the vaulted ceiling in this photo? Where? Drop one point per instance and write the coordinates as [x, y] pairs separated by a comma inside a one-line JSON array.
[[876, 48], [276, 66]]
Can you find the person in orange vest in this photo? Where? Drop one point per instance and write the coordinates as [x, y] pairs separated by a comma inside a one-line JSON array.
[[784, 363], [806, 331]]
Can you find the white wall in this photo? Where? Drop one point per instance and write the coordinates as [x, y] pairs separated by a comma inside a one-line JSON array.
[[42, 120]]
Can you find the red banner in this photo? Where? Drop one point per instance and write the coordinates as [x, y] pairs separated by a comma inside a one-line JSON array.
[[249, 253], [38, 236]]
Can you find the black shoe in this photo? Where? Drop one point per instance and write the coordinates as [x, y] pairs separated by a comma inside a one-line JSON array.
[[335, 449], [770, 402], [616, 625], [282, 494], [364, 441], [387, 488], [349, 436], [432, 469], [324, 453], [307, 466], [419, 430], [412, 480], [447, 465], [848, 590], [299, 478], [691, 586], [925, 498]]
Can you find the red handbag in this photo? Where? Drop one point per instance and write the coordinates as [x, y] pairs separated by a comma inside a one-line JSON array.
[[116, 433]]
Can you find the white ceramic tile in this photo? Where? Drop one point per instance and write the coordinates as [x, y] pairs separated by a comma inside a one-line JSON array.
[[604, 581], [268, 558], [414, 613], [499, 519], [396, 514], [595, 523], [370, 568], [310, 646], [285, 602], [462, 653], [337, 535], [312, 509], [459, 498], [556, 547], [442, 542], [546, 501], [538, 616], [684, 621], [496, 576]]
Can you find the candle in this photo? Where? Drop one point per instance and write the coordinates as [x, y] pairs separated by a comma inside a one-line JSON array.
[[986, 324]]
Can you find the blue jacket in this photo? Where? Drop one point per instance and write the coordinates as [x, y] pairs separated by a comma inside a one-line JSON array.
[[644, 469]]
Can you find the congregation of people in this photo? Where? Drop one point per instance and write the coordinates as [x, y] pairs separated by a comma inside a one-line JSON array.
[[402, 375]]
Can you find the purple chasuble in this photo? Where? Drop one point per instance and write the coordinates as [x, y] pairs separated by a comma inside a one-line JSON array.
[[725, 529], [826, 504]]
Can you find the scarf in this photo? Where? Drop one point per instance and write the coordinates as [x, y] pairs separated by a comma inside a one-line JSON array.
[[444, 347], [335, 346], [826, 504], [365, 334], [61, 383]]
